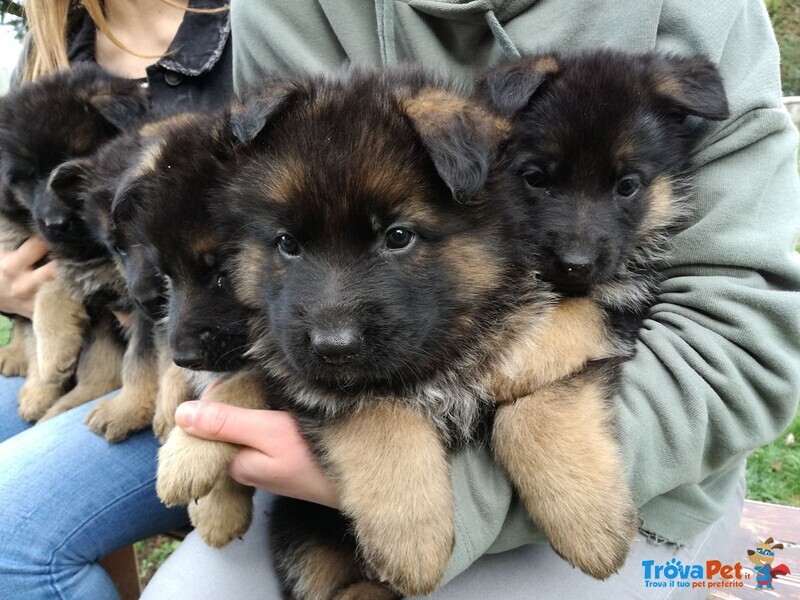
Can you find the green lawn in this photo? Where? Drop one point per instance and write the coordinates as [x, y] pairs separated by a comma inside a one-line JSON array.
[[5, 330], [785, 15]]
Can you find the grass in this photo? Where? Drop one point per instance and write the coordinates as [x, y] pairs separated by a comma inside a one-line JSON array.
[[151, 554], [785, 15], [5, 330], [773, 472]]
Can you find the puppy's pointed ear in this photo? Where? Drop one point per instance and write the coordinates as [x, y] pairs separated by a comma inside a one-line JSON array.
[[751, 552], [69, 180], [122, 108], [691, 86], [248, 118], [461, 137], [777, 546], [509, 87]]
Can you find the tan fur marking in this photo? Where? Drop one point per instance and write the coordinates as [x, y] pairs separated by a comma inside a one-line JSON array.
[[559, 452], [13, 360], [224, 514], [669, 86], [98, 372], [148, 159], [248, 269], [286, 179], [432, 108], [35, 396], [163, 126], [366, 590], [59, 324], [477, 269], [573, 334], [133, 408], [661, 206], [173, 388], [545, 64], [399, 498], [321, 570]]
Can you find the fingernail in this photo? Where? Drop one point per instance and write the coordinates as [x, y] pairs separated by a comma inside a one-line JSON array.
[[186, 412]]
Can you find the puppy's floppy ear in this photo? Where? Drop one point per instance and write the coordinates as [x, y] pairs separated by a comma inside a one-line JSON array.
[[461, 137], [691, 86], [509, 87], [247, 119], [68, 180], [123, 108], [777, 546]]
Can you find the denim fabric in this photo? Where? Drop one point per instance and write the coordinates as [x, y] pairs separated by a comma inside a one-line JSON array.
[[68, 498], [10, 422]]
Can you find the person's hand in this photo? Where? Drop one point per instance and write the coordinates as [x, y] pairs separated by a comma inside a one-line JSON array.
[[274, 456], [19, 279]]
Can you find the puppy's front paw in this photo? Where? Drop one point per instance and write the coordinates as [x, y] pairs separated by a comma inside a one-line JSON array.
[[163, 421], [118, 417], [188, 467], [366, 590], [36, 398], [13, 363], [224, 514], [596, 538]]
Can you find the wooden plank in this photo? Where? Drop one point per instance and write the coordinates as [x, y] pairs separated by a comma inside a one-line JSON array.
[[759, 522], [121, 566]]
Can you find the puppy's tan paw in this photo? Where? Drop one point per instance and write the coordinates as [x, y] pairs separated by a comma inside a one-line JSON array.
[[596, 538], [411, 554], [365, 590], [13, 363], [188, 467], [36, 398], [224, 514], [163, 421], [118, 417]]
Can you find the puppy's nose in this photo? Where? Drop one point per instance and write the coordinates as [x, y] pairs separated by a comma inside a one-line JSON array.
[[188, 358], [575, 264], [336, 346]]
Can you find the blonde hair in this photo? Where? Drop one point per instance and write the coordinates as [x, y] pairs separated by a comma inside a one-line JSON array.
[[48, 21]]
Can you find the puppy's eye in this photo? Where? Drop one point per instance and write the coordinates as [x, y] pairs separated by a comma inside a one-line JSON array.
[[288, 246], [536, 179], [221, 282], [119, 250], [21, 174], [398, 238], [628, 186]]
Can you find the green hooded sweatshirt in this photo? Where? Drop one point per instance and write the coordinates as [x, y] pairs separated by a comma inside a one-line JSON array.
[[717, 368]]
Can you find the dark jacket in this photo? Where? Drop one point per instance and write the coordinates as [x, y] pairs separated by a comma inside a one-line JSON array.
[[196, 71]]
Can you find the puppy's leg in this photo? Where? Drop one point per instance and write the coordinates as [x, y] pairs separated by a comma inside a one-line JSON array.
[[13, 359], [188, 467], [59, 322], [173, 388], [35, 396], [399, 498], [571, 334], [315, 554], [133, 408], [559, 451], [98, 370], [224, 514]]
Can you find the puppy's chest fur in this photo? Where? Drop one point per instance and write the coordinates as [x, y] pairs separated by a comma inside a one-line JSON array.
[[13, 233], [95, 281]]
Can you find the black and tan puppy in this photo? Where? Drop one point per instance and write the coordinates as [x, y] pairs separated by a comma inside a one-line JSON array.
[[377, 266], [599, 161], [205, 326], [86, 107]]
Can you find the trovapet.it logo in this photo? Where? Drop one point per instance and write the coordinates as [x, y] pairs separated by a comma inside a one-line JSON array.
[[711, 574]]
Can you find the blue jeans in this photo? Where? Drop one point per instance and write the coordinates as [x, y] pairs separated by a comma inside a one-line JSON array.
[[68, 498]]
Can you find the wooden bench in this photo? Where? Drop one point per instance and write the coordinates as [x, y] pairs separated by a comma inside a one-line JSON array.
[[759, 522]]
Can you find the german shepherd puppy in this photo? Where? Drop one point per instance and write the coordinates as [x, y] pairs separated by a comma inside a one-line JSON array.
[[86, 107], [205, 331], [599, 161], [377, 265]]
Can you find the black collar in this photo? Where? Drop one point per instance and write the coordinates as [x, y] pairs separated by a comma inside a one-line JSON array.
[[197, 46]]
